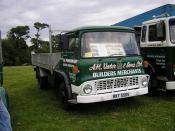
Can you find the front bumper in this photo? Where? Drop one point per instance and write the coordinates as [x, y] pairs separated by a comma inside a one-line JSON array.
[[111, 89], [170, 85], [110, 96]]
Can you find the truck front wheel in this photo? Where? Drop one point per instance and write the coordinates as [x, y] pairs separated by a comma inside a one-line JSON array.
[[152, 86], [62, 93], [63, 97]]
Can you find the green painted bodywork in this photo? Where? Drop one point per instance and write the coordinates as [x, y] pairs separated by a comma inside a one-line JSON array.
[[86, 65], [162, 59], [104, 28], [86, 72]]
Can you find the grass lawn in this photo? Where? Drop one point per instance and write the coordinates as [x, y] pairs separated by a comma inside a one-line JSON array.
[[32, 109]]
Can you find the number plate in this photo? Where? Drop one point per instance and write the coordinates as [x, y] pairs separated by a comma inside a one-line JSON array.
[[121, 95]]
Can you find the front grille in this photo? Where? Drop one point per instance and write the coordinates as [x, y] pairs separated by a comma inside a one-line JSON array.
[[105, 84], [116, 83]]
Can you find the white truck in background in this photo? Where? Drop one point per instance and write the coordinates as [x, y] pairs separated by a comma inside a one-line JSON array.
[[157, 44]]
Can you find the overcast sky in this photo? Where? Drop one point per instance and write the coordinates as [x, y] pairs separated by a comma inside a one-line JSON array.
[[69, 14]]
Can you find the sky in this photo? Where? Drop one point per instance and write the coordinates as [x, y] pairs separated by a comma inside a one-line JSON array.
[[69, 14]]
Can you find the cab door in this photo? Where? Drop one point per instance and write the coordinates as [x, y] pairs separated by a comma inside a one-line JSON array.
[[70, 56]]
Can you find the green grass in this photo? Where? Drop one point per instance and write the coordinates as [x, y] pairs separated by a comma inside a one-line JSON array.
[[32, 109]]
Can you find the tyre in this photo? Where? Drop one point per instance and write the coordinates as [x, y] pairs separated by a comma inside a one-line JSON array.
[[37, 74], [63, 97], [43, 82], [62, 93], [152, 86], [152, 82]]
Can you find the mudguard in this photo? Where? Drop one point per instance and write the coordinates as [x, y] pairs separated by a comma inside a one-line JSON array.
[[66, 79]]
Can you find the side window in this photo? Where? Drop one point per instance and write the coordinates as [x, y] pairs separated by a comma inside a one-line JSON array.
[[155, 32], [143, 39], [73, 44], [172, 30], [152, 33]]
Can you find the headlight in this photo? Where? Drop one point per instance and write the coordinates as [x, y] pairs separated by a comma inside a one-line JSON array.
[[144, 81], [87, 89]]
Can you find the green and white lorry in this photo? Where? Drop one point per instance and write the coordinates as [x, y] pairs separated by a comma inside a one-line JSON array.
[[94, 64], [158, 49]]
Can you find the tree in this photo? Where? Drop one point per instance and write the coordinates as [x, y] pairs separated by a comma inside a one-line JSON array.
[[39, 45], [55, 42], [39, 26], [9, 52], [20, 34], [44, 48], [15, 49]]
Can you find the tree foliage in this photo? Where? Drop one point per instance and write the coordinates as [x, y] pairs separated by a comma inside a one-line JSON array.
[[39, 45], [15, 49], [19, 32], [55, 42]]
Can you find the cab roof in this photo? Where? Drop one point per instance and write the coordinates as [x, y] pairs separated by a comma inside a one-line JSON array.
[[158, 19], [101, 28]]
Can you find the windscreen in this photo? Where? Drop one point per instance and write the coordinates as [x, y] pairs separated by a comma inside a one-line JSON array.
[[172, 30], [106, 44]]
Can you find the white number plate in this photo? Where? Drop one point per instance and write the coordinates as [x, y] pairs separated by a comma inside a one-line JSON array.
[[121, 95]]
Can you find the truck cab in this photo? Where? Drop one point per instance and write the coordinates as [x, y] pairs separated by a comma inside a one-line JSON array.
[[157, 47], [98, 63]]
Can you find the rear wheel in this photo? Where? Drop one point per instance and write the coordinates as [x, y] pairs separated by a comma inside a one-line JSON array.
[[37, 73], [43, 82]]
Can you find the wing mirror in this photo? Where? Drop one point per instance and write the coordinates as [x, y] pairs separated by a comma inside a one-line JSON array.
[[64, 43]]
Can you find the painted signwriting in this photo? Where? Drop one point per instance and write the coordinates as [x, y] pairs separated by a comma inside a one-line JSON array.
[[127, 68], [73, 61], [104, 74], [69, 62], [159, 59], [115, 73], [128, 72], [107, 66]]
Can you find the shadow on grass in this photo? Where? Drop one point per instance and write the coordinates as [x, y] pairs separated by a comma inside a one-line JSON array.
[[120, 105], [164, 95]]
